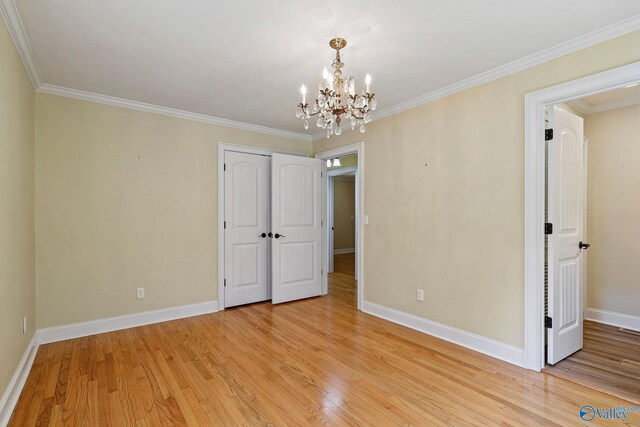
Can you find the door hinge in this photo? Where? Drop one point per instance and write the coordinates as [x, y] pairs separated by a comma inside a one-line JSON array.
[[321, 174], [225, 225], [548, 322], [225, 283], [548, 228], [548, 134], [322, 272]]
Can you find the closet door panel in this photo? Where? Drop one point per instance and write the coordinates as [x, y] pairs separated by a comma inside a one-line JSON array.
[[296, 226], [247, 215]]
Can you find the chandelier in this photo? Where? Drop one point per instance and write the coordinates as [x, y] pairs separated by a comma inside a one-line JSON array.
[[337, 99]]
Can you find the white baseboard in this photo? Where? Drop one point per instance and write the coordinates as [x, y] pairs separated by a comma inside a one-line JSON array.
[[614, 319], [13, 390], [344, 251], [499, 350], [83, 329]]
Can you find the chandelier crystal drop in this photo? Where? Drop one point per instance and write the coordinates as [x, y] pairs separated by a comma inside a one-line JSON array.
[[337, 99]]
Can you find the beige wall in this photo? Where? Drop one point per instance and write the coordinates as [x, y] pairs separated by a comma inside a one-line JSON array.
[[344, 209], [17, 210], [455, 227], [126, 199], [108, 221], [613, 210]]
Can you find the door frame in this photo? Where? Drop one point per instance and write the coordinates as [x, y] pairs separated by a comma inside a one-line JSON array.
[[238, 148], [534, 172], [357, 148], [331, 174]]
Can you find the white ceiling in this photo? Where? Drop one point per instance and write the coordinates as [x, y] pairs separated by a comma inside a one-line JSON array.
[[245, 60]]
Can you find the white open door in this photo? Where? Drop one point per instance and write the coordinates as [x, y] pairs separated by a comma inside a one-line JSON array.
[[246, 242], [565, 256], [297, 233]]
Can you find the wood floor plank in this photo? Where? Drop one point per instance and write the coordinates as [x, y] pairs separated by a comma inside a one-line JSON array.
[[313, 362], [609, 362]]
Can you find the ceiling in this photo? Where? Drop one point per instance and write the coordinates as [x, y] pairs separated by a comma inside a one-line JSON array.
[[245, 60]]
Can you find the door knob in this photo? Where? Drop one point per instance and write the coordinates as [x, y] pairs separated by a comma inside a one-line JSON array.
[[263, 235], [277, 236], [583, 245]]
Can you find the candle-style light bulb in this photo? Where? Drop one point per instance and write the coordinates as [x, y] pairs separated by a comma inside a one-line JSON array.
[[325, 73], [367, 80], [303, 91]]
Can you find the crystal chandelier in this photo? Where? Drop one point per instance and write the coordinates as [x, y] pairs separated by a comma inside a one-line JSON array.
[[337, 99]]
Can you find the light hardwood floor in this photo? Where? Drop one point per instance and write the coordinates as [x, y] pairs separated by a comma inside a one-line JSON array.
[[312, 362], [344, 264], [609, 361]]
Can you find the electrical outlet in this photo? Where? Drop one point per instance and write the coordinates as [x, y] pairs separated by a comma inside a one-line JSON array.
[[140, 293], [24, 325], [420, 294]]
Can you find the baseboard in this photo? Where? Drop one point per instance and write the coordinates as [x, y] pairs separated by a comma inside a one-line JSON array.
[[83, 329], [13, 390], [344, 251], [499, 350], [614, 319]]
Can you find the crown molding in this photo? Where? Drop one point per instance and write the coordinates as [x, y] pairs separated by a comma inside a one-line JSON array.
[[612, 105], [14, 25], [581, 105], [166, 111], [586, 108], [599, 36]]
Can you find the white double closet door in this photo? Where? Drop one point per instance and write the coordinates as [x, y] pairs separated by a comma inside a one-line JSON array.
[[272, 230]]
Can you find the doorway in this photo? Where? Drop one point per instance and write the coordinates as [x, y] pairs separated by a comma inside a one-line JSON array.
[[342, 226], [341, 206], [351, 159], [604, 350], [535, 170]]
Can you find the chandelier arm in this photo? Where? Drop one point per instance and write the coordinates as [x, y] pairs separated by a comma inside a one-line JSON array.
[[359, 110], [305, 110]]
